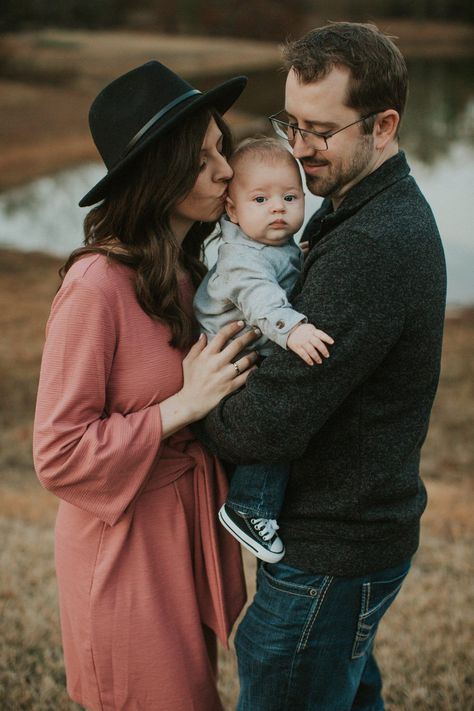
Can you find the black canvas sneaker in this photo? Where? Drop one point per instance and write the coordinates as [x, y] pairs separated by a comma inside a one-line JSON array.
[[258, 535]]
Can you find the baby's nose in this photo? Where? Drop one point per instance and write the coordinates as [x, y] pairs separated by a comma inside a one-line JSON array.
[[278, 205]]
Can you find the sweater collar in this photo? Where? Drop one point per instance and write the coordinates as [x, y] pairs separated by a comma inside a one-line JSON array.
[[394, 169], [390, 172]]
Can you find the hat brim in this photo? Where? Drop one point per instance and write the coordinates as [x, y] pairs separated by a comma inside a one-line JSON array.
[[220, 97]]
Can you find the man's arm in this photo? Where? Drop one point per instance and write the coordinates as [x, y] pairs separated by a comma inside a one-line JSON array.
[[352, 291]]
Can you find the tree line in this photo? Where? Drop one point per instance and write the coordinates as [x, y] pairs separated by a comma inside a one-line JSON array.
[[261, 19]]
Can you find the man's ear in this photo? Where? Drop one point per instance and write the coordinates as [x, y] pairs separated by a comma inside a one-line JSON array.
[[230, 209], [385, 129]]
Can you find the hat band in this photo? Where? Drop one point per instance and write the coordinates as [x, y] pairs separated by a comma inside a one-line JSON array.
[[157, 116]]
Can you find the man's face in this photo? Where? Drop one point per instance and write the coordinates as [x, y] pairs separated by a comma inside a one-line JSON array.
[[321, 106]]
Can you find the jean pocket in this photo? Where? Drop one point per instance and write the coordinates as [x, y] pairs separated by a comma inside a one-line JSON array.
[[284, 611], [293, 581], [376, 598]]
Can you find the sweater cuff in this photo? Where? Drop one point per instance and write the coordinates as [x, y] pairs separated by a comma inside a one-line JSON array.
[[279, 323]]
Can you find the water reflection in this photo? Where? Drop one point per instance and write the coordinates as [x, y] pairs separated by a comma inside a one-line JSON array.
[[438, 136], [440, 108], [44, 215]]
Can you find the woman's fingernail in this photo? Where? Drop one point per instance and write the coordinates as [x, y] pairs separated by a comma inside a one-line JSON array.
[[240, 323]]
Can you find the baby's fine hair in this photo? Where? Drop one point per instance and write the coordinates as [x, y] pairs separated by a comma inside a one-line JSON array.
[[264, 149]]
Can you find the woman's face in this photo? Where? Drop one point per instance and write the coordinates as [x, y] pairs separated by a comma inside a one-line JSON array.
[[205, 201]]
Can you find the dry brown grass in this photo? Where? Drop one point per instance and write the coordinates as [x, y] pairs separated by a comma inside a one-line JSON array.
[[425, 642], [31, 669]]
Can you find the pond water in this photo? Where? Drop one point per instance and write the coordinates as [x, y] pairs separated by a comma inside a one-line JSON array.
[[437, 135]]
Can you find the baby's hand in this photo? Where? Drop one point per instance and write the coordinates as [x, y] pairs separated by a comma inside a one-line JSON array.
[[308, 342]]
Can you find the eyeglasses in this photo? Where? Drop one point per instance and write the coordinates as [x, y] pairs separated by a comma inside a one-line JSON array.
[[288, 131]]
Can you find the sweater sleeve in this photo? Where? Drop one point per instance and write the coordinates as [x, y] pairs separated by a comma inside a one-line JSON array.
[[93, 459], [352, 292], [253, 287]]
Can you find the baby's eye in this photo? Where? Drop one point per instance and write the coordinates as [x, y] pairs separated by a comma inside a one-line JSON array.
[[290, 198], [259, 198]]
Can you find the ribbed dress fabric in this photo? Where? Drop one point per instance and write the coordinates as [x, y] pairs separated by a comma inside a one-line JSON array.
[[143, 566]]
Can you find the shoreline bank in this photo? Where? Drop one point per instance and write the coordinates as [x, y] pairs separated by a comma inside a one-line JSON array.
[[13, 260], [49, 78]]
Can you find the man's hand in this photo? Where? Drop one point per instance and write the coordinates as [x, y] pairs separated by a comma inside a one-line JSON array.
[[304, 246], [308, 342]]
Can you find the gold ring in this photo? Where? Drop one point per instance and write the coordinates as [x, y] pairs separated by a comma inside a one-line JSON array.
[[237, 369]]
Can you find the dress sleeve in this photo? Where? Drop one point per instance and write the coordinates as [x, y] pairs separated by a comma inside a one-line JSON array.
[[252, 285], [93, 459]]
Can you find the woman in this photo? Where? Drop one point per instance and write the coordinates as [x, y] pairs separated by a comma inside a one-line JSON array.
[[146, 577]]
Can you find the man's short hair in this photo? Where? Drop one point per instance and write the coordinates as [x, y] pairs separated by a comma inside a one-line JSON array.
[[379, 78]]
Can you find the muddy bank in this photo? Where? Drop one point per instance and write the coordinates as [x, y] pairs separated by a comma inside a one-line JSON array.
[[48, 80]]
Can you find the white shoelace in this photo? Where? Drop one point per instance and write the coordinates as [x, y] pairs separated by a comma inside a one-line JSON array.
[[266, 527]]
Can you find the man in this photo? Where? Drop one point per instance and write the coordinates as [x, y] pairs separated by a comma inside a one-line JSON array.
[[353, 427]]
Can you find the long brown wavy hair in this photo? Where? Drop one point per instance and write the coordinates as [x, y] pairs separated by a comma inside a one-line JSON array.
[[135, 217]]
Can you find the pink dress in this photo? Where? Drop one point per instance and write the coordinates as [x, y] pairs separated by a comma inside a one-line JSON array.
[[144, 569]]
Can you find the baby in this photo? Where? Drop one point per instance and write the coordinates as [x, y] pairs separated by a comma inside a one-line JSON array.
[[257, 266]]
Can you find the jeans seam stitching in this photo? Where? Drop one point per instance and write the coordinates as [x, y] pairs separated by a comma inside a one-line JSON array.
[[247, 510], [312, 618], [367, 590], [390, 580], [358, 639], [290, 677], [289, 592], [282, 586], [387, 597]]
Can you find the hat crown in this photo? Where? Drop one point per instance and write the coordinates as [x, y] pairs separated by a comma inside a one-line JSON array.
[[141, 106], [126, 105]]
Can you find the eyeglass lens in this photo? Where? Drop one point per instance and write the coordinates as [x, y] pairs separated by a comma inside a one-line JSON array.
[[288, 131]]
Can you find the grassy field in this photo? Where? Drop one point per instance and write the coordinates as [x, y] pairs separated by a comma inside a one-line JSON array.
[[47, 81], [425, 644]]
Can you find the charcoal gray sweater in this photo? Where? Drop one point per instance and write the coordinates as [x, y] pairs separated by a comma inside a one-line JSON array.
[[352, 428]]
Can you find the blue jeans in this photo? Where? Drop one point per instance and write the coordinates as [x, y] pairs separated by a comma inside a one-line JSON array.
[[258, 489], [306, 641]]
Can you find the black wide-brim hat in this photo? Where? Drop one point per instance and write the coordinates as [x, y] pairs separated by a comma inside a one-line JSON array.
[[141, 105]]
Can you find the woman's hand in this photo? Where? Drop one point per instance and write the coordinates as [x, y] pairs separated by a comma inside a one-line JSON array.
[[210, 373]]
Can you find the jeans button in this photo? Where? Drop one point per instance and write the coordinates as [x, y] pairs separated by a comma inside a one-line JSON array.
[[313, 592]]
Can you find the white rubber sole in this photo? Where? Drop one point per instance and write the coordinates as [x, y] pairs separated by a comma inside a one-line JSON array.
[[248, 542]]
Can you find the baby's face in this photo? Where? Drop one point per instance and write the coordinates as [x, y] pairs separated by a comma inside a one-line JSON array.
[[266, 199]]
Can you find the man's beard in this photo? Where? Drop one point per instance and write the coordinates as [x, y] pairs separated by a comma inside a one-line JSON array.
[[336, 178]]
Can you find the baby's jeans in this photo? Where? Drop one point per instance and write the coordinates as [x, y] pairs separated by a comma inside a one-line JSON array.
[[258, 489]]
